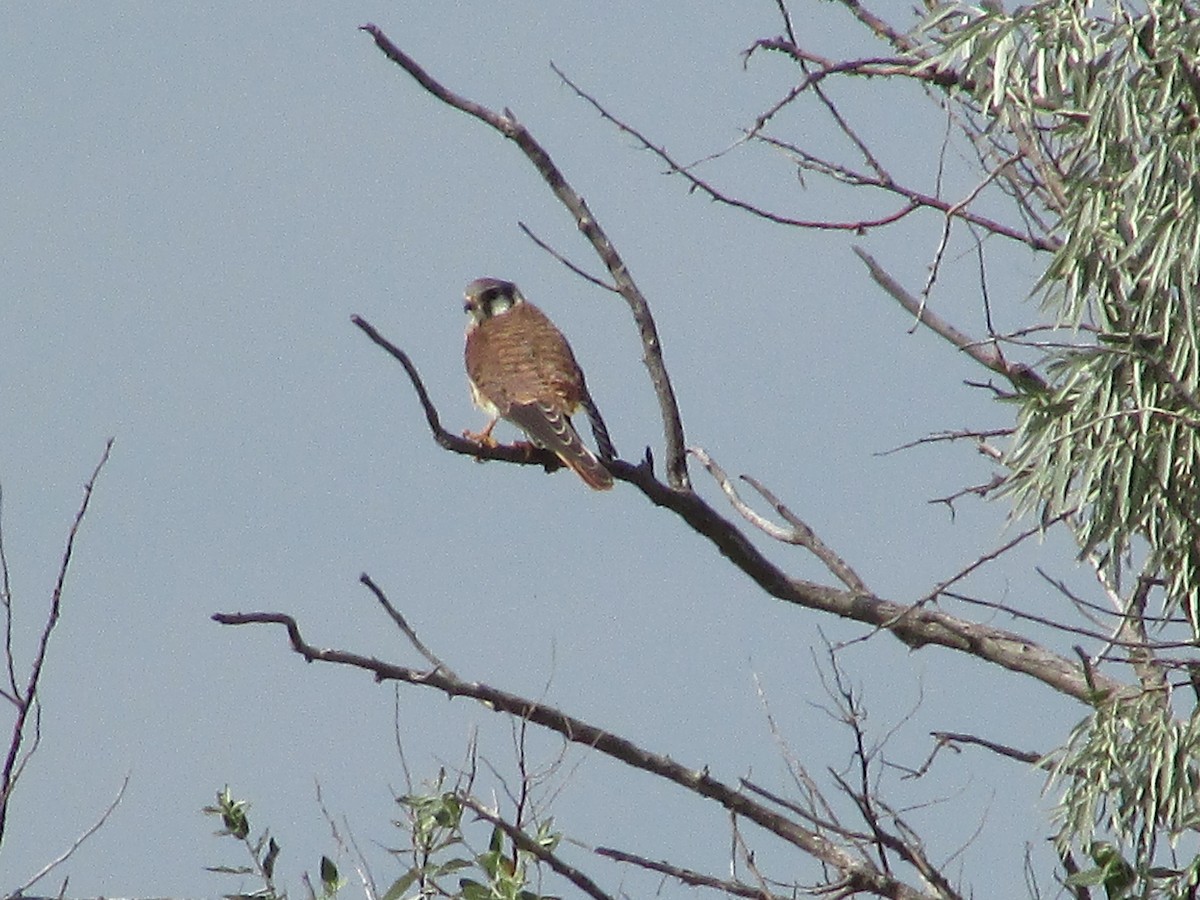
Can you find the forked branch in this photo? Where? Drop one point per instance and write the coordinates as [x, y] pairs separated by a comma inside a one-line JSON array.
[[508, 126]]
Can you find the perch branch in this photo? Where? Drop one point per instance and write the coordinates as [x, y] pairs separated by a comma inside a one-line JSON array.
[[915, 626], [521, 454], [507, 126]]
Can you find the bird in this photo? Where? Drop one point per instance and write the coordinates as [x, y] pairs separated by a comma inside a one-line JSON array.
[[521, 369]]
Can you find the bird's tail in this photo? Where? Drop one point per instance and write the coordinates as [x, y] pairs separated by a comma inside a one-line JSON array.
[[603, 442]]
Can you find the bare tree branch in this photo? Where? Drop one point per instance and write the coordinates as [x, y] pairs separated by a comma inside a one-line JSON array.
[[524, 454], [799, 533], [578, 270], [857, 873], [914, 625], [77, 843], [507, 125], [957, 737], [402, 623], [13, 693], [1021, 376]]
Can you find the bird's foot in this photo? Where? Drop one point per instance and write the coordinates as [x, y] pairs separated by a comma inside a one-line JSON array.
[[483, 438]]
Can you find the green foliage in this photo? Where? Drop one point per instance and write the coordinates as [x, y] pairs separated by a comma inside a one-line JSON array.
[[263, 851], [1090, 119], [443, 863], [1133, 773], [1099, 103]]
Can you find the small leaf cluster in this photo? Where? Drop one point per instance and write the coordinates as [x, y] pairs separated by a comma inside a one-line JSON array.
[[264, 852], [1135, 771], [444, 864]]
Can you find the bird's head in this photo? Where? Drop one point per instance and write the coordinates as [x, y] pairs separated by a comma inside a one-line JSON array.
[[487, 297]]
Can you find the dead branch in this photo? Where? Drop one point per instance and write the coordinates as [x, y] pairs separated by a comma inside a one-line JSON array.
[[578, 270], [952, 739], [402, 623], [921, 199], [524, 454], [78, 842], [13, 692], [799, 533], [1040, 528], [507, 126], [858, 873]]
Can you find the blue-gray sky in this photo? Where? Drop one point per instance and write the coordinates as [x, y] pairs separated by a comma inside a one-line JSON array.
[[196, 199]]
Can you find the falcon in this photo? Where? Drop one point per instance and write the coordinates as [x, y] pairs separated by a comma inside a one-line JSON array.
[[522, 370]]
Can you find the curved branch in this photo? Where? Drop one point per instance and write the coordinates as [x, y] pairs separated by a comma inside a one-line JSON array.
[[522, 454], [859, 874], [509, 127]]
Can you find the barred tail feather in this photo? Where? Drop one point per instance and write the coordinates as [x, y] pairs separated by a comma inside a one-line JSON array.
[[603, 442]]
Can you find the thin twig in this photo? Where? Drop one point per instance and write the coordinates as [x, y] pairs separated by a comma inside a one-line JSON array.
[[922, 199], [28, 697], [75, 845], [401, 622], [13, 692], [586, 276], [690, 877], [532, 847]]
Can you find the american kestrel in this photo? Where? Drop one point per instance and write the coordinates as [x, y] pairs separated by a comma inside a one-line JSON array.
[[522, 370]]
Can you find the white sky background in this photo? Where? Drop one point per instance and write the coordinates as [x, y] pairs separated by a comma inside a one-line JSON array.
[[193, 201]]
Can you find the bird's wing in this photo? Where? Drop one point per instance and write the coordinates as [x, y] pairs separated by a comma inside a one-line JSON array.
[[552, 429]]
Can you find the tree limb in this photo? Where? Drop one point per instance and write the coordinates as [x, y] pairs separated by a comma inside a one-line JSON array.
[[915, 626], [1021, 376], [859, 874]]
